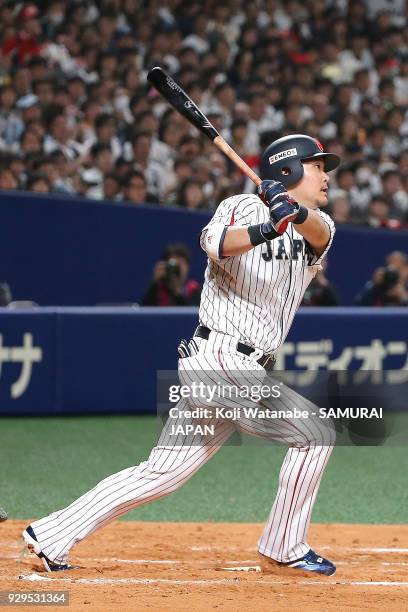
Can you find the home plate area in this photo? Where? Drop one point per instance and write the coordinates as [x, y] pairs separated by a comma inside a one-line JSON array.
[[185, 566]]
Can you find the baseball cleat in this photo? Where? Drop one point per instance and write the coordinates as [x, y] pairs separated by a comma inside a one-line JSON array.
[[34, 547], [311, 562], [3, 515]]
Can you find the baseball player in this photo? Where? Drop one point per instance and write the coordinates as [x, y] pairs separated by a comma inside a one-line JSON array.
[[263, 251]]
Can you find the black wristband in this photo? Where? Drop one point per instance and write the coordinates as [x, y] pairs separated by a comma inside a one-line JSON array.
[[261, 233], [301, 216]]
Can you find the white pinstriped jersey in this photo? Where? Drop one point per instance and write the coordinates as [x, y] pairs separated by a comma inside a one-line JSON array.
[[254, 296]]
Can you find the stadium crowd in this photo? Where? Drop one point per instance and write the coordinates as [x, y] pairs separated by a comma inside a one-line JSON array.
[[78, 117]]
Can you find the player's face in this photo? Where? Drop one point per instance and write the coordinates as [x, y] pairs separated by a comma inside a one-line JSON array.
[[311, 191]]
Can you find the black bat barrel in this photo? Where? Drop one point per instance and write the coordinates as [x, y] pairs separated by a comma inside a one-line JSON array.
[[178, 98]]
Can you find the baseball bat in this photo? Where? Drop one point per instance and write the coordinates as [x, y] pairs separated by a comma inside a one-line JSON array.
[[178, 98]]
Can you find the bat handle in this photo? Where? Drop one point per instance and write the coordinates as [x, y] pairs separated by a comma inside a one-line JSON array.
[[236, 159]]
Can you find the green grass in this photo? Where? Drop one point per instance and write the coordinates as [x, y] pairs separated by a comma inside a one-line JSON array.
[[48, 462]]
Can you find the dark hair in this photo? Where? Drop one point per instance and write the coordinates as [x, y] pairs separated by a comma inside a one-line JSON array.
[[182, 161], [131, 175], [389, 173], [36, 61], [36, 176], [76, 79], [360, 72], [385, 83], [50, 113], [380, 198], [139, 94], [39, 160], [28, 131], [37, 82], [188, 138], [344, 169], [221, 86], [57, 154], [237, 123], [137, 134], [140, 116], [179, 249], [120, 162], [99, 147], [186, 50], [114, 176], [102, 119], [183, 188], [251, 96]]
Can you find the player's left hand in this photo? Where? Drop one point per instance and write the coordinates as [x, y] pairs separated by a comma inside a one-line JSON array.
[[282, 208], [270, 191]]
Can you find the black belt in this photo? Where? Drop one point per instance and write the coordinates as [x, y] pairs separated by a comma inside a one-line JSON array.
[[266, 361]]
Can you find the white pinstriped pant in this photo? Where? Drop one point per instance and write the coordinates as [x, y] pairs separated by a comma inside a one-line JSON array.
[[176, 458]]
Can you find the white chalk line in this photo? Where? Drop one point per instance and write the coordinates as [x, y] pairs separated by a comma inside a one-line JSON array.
[[350, 549], [383, 550], [202, 561], [148, 561], [135, 561], [224, 549], [393, 563], [162, 561], [323, 547], [209, 582]]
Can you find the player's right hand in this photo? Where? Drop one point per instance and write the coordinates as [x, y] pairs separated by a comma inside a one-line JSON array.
[[282, 208], [159, 271]]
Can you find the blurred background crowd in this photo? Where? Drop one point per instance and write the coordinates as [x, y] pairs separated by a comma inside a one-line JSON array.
[[77, 116]]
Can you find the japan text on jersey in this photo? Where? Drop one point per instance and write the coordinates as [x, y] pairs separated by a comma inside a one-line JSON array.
[[254, 296]]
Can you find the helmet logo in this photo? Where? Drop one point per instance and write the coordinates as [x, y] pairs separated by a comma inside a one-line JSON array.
[[283, 155], [319, 144]]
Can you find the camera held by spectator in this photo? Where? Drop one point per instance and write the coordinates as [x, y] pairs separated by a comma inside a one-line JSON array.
[[388, 285], [170, 285]]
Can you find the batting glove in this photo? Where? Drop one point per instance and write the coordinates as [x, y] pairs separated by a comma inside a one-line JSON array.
[[282, 208]]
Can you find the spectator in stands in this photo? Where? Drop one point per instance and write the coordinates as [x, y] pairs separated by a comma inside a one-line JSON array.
[[38, 183], [170, 285], [380, 214], [388, 285], [134, 188], [191, 195], [182, 171], [25, 43], [393, 189], [59, 133], [11, 125], [320, 292], [30, 142], [111, 186], [64, 172], [77, 72], [101, 163], [44, 91], [16, 164], [46, 165], [7, 179], [105, 133], [340, 209], [154, 173]]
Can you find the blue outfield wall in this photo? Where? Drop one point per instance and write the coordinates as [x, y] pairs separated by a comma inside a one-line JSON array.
[[57, 250], [105, 360]]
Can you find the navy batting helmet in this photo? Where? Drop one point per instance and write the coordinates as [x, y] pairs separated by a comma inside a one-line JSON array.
[[282, 160]]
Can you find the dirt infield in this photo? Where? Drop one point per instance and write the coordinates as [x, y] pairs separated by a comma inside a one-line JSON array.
[[181, 566]]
